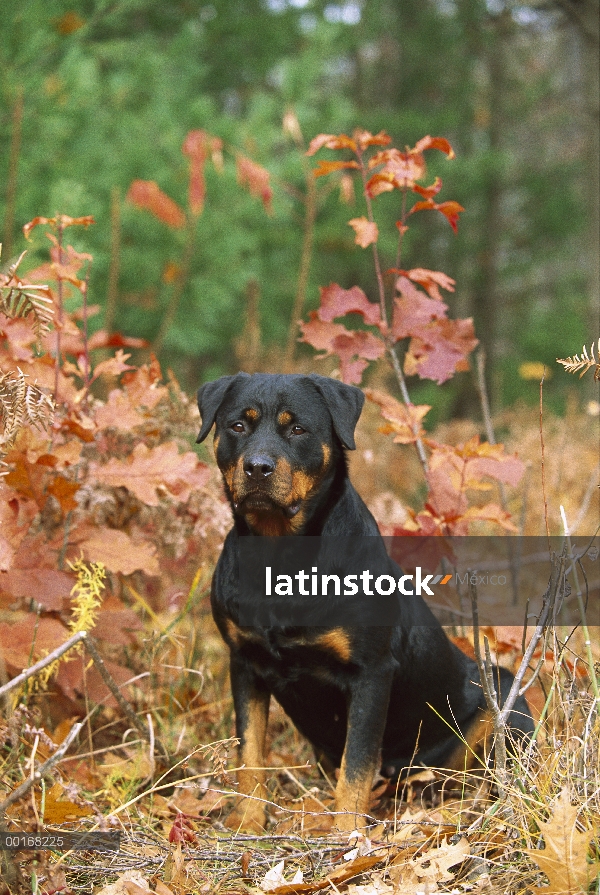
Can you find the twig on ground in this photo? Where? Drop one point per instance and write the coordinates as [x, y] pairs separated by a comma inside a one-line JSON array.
[[43, 663], [42, 771], [500, 715], [83, 637]]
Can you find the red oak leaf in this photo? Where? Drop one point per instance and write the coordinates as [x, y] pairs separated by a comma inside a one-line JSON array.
[[440, 349], [319, 333], [414, 311], [336, 302], [430, 280], [361, 344]]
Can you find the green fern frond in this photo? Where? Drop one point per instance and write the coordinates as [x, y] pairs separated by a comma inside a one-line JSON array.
[[584, 363]]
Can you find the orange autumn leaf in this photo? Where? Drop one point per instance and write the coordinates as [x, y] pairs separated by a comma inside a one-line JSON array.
[[435, 143], [149, 472], [64, 491], [366, 231], [118, 552], [119, 412], [147, 194], [405, 421], [256, 179], [61, 220], [450, 210], [331, 141], [197, 146], [327, 167]]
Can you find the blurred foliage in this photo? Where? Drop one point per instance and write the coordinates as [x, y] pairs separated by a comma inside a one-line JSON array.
[[96, 94]]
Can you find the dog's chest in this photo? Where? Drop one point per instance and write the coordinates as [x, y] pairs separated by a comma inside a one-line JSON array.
[[295, 652]]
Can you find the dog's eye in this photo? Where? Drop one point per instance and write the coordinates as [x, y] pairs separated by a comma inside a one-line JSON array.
[[297, 430], [237, 427]]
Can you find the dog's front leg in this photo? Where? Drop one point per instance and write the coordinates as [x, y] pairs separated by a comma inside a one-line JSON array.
[[367, 712], [251, 702]]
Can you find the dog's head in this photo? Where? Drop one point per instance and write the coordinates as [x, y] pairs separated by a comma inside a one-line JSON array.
[[277, 442]]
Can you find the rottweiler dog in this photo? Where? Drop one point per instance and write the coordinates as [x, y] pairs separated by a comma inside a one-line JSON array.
[[364, 695]]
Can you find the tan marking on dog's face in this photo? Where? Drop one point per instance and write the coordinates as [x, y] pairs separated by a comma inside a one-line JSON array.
[[251, 414], [303, 484], [284, 418], [285, 487], [337, 642]]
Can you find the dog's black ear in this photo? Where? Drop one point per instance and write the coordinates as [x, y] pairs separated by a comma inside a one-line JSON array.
[[210, 398], [345, 403]]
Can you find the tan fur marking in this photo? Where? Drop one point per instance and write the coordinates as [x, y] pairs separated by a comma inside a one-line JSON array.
[[478, 742], [251, 413], [326, 456], [284, 418], [229, 476], [237, 635], [353, 797], [302, 484], [216, 444], [269, 525], [336, 642], [233, 632], [250, 814]]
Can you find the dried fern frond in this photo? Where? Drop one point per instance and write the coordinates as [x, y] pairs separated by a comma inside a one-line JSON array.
[[21, 405], [18, 299], [583, 363]]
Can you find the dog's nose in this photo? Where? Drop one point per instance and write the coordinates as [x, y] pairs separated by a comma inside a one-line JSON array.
[[258, 467]]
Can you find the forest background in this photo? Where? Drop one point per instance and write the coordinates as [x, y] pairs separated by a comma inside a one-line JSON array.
[[96, 95]]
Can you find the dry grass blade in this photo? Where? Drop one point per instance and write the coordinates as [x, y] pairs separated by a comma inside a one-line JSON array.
[[20, 405], [584, 363], [19, 299]]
